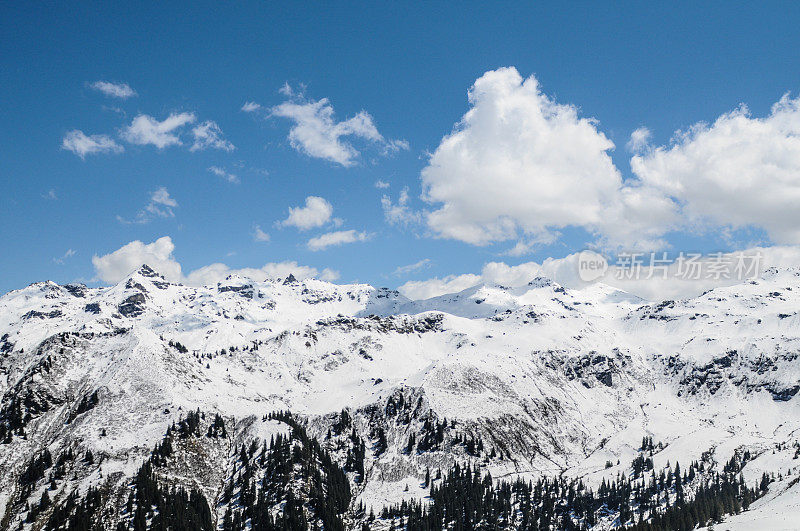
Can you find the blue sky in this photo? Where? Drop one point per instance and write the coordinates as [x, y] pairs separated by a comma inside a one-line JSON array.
[[408, 69]]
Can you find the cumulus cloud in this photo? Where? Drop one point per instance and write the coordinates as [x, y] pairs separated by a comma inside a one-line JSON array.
[[114, 90], [113, 267], [225, 174], [381, 184], [521, 166], [738, 172], [518, 161], [669, 282], [259, 235], [433, 287], [661, 285], [640, 139], [508, 275], [316, 213], [159, 206], [399, 213], [563, 270], [317, 133], [145, 130], [209, 135], [81, 144], [336, 238]]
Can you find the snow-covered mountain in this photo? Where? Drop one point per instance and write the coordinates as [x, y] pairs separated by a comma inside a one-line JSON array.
[[528, 382]]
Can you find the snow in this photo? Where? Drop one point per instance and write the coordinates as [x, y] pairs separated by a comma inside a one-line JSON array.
[[567, 379], [774, 512]]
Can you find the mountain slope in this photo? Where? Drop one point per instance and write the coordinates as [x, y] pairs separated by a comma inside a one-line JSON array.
[[532, 382]]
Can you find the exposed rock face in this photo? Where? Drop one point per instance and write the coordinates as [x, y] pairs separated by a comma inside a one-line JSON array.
[[148, 272], [132, 306], [34, 314], [76, 290], [245, 291]]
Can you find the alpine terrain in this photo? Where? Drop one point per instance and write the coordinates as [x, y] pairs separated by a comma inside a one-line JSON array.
[[288, 404]]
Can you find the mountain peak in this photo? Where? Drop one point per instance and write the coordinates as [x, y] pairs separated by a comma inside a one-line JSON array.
[[540, 281], [147, 271]]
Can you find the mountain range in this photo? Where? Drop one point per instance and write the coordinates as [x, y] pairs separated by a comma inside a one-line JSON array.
[[285, 403]]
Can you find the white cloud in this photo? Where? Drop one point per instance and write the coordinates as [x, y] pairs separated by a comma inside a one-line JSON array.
[[425, 289], [331, 239], [69, 253], [528, 244], [399, 213], [251, 106], [495, 273], [518, 161], [381, 184], [82, 145], [316, 213], [211, 274], [51, 195], [521, 248], [317, 134], [738, 172], [115, 109], [286, 90], [640, 139], [674, 286], [115, 266], [161, 197], [410, 268], [506, 275], [564, 271], [159, 206], [259, 235], [222, 172], [209, 135], [393, 146], [145, 130], [114, 90], [521, 166]]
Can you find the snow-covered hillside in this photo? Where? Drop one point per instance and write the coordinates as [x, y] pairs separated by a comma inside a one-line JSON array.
[[531, 382]]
